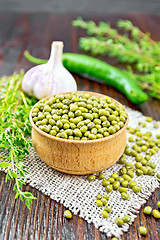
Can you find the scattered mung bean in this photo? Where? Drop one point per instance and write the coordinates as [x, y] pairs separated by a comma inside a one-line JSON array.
[[142, 230]]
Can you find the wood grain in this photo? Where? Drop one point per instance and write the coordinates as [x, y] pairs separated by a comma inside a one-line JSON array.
[[45, 219]]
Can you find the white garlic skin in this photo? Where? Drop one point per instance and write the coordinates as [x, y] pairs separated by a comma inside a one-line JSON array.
[[49, 78]]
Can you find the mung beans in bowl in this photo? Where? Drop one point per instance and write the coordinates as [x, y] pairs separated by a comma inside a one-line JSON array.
[[79, 133]]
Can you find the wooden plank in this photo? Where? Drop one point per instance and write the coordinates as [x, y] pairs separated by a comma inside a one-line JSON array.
[[45, 219], [88, 6]]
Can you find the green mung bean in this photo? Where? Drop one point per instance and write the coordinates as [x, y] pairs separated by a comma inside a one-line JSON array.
[[142, 230], [136, 188], [119, 221], [156, 213], [105, 183], [99, 203], [105, 214], [68, 214], [147, 210], [132, 184], [99, 196], [126, 219], [124, 195], [91, 177], [80, 113], [101, 176], [109, 188], [158, 204], [108, 208]]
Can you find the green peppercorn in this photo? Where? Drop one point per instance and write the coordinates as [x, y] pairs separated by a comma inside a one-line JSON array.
[[147, 210], [142, 230], [67, 214]]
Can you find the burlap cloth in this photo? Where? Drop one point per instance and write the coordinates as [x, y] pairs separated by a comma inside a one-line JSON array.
[[79, 195]]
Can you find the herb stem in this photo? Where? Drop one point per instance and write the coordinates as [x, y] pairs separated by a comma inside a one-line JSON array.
[[15, 128]]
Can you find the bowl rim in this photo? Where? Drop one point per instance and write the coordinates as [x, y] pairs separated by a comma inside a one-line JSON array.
[[79, 141]]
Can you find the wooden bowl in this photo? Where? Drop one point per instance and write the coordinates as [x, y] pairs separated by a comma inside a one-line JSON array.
[[78, 156]]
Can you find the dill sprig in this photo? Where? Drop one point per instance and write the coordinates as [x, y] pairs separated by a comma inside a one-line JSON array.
[[14, 131], [132, 47]]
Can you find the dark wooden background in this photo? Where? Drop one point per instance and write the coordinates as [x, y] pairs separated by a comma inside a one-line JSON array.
[[45, 219], [81, 7]]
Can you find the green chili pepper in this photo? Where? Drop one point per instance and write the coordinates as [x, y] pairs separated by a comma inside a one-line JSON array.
[[95, 68]]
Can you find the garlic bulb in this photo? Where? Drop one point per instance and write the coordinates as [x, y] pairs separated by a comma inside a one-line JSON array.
[[49, 78]]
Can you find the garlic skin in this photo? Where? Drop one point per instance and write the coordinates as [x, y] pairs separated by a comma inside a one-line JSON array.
[[49, 78]]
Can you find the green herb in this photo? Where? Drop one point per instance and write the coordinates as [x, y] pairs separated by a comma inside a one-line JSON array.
[[14, 129], [131, 47]]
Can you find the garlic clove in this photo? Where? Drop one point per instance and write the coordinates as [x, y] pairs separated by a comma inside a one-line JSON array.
[[49, 78]]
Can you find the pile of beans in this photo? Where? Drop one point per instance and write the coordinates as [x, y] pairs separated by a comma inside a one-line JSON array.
[[79, 116], [143, 146]]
